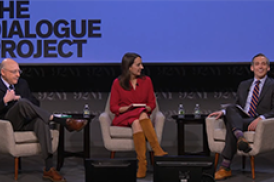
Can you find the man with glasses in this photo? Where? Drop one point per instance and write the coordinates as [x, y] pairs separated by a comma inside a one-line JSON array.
[[21, 108]]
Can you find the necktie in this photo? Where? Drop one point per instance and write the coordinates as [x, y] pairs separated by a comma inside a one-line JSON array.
[[254, 99], [11, 87]]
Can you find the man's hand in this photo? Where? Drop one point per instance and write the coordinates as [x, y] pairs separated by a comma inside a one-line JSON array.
[[17, 97], [252, 126], [217, 114], [9, 96]]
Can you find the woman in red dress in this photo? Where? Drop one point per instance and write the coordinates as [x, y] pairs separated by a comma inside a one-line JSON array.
[[132, 100]]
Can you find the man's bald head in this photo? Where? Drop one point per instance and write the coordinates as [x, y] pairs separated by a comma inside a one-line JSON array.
[[10, 71], [8, 62]]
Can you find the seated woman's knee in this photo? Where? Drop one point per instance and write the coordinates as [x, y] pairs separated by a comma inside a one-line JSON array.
[[143, 115], [136, 123], [136, 126]]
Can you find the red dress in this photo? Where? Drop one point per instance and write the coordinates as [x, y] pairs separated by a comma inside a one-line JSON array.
[[143, 93]]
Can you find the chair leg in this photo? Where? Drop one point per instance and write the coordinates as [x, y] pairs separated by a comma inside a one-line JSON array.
[[252, 166], [151, 157], [217, 155], [112, 154], [16, 163], [243, 162]]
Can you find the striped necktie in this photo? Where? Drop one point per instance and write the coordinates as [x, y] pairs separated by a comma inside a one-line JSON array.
[[254, 99]]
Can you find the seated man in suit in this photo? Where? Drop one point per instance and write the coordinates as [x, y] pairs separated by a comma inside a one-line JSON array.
[[21, 108], [256, 97]]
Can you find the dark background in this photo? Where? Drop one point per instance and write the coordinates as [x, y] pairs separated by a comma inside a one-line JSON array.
[[165, 77]]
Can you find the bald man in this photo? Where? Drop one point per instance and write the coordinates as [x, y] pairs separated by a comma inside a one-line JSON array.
[[21, 108]]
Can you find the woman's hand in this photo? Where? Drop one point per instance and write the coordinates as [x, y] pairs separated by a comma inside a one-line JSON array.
[[125, 108], [148, 109]]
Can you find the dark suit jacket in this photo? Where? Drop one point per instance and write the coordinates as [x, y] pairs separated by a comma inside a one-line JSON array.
[[266, 99], [22, 89]]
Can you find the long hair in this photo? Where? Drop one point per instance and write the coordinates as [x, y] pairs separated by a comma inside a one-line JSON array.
[[127, 61]]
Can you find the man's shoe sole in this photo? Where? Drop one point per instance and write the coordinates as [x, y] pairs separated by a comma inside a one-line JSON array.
[[85, 123], [222, 178], [51, 179]]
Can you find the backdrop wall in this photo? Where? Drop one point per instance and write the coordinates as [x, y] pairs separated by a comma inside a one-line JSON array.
[[67, 89]]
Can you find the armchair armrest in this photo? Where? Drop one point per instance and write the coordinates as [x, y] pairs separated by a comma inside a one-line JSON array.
[[105, 123], [263, 138], [211, 125], [7, 141], [158, 122]]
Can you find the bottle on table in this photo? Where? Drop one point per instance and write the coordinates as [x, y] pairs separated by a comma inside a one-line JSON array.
[[197, 112], [86, 111], [181, 111]]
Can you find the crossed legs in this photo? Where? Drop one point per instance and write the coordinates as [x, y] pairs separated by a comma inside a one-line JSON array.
[[236, 122], [25, 116], [142, 129]]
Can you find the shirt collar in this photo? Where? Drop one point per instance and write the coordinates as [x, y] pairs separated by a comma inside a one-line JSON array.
[[261, 80], [6, 83]]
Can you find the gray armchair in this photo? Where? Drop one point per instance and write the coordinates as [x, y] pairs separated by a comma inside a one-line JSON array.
[[261, 140], [117, 139], [21, 143]]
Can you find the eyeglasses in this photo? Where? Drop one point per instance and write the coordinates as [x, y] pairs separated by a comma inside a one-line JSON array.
[[14, 71]]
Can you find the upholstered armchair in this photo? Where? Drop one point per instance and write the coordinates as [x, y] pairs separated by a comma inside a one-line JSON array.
[[119, 139], [21, 143], [261, 140]]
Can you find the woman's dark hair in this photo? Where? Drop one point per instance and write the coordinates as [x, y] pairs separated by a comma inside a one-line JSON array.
[[127, 61]]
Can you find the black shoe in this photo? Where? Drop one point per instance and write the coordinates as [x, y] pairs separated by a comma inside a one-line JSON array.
[[243, 145]]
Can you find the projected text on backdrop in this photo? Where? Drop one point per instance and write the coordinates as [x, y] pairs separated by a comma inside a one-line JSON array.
[[45, 47], [94, 31]]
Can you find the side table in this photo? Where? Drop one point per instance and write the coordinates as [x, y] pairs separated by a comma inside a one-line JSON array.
[[62, 154], [189, 119]]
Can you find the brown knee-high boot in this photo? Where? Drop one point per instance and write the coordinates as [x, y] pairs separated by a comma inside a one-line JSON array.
[[150, 134], [140, 148]]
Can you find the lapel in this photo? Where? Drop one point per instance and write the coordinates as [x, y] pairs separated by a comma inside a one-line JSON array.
[[264, 89], [246, 91], [3, 86]]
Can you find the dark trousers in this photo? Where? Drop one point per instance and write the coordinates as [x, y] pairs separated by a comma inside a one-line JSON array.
[[25, 116], [234, 119]]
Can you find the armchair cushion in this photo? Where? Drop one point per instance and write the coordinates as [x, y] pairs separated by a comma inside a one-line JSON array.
[[29, 136], [25, 137], [120, 132], [219, 135]]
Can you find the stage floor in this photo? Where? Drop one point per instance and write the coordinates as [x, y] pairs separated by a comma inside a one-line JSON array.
[[74, 171]]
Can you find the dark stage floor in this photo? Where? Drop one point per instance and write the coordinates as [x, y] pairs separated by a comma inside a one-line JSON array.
[[74, 170]]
